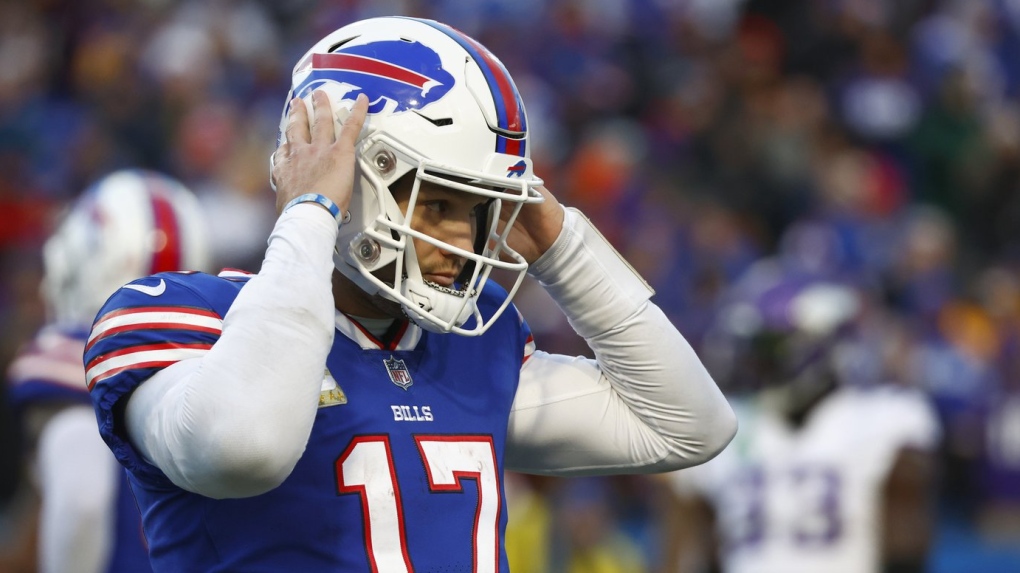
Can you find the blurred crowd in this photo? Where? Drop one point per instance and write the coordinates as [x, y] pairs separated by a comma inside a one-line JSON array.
[[876, 140]]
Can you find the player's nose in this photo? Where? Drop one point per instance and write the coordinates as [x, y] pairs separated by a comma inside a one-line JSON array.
[[458, 232]]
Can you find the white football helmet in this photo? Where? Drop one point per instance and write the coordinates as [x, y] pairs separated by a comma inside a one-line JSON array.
[[127, 225], [441, 105]]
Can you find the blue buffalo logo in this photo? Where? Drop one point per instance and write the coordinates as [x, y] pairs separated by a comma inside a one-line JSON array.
[[517, 169], [396, 76]]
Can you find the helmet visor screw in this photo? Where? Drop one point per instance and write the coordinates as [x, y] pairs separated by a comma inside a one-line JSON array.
[[368, 250], [384, 162]]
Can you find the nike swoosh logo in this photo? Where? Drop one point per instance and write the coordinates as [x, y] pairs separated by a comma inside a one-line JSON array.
[[149, 290]]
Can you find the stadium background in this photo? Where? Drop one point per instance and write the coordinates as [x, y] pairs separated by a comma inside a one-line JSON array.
[[875, 139]]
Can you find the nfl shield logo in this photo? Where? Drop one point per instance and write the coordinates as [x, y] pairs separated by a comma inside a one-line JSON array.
[[398, 372]]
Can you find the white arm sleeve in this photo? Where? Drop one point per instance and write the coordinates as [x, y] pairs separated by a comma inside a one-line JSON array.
[[78, 478], [234, 422], [646, 404]]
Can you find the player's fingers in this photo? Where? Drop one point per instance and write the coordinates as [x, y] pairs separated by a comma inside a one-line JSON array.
[[297, 123], [276, 158], [322, 120], [353, 123]]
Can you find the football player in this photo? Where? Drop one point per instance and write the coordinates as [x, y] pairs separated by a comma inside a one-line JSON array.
[[128, 224], [832, 469], [354, 405]]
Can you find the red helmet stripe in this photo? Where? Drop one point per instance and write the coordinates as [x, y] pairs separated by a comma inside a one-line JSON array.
[[511, 100], [507, 100], [166, 253], [371, 66]]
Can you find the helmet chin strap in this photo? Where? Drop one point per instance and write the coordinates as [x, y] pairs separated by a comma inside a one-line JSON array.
[[435, 308], [437, 311]]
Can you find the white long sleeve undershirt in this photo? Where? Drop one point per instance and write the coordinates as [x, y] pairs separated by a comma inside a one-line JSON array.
[[187, 419], [646, 405]]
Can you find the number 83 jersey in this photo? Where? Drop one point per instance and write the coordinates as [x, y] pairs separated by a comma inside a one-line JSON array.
[[808, 499], [403, 469]]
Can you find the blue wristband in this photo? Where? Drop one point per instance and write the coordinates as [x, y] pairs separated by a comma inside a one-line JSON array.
[[321, 200]]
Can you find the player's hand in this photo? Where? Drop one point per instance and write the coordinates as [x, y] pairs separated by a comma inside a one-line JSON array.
[[312, 157], [537, 227]]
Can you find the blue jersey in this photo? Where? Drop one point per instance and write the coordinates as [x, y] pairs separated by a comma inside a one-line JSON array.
[[48, 372], [404, 467]]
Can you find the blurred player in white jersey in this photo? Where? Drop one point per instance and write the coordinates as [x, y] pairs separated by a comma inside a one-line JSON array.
[[128, 224], [825, 475]]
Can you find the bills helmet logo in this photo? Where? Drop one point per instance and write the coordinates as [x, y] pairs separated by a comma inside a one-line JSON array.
[[396, 76], [517, 169]]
